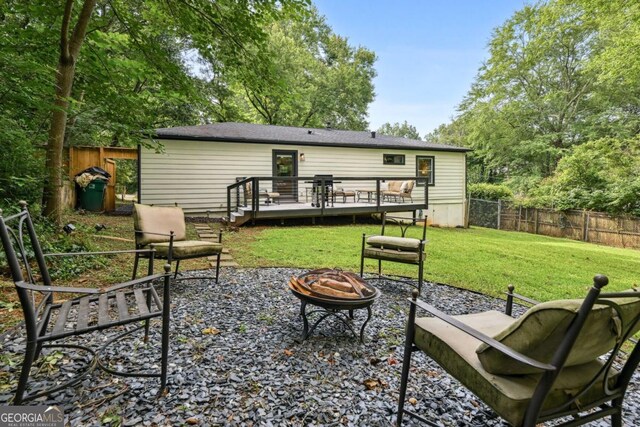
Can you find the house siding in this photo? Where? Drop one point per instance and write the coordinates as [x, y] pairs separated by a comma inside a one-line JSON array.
[[195, 174]]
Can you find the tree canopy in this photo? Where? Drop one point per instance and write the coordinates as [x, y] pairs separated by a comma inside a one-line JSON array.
[[560, 74], [144, 64], [403, 130]]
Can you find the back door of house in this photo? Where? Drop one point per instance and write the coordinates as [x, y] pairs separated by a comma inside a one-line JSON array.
[[285, 164]]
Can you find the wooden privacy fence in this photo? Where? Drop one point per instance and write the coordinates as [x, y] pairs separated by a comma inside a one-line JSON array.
[[81, 158], [588, 226]]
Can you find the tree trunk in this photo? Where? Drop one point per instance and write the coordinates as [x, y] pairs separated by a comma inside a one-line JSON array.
[[69, 50], [52, 203]]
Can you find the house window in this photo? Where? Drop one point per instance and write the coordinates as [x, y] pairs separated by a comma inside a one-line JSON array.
[[425, 168], [393, 159]]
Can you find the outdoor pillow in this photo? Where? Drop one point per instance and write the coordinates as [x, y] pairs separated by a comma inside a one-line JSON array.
[[158, 219], [540, 330], [404, 186]]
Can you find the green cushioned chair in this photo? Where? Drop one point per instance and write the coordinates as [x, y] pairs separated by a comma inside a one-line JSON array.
[[163, 228], [556, 360], [402, 249]]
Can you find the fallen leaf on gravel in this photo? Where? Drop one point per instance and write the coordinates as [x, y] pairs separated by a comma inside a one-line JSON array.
[[392, 361], [374, 383], [192, 420], [210, 331], [413, 400], [288, 352], [374, 361]]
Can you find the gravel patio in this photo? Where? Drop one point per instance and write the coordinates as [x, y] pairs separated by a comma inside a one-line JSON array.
[[237, 359]]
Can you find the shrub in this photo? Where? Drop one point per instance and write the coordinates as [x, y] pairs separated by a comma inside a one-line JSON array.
[[490, 191]]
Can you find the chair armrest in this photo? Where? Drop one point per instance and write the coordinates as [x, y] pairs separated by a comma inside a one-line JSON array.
[[508, 351], [100, 252], [43, 288], [523, 298], [133, 282]]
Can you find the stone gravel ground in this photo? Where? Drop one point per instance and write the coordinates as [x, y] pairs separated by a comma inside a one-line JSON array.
[[236, 359]]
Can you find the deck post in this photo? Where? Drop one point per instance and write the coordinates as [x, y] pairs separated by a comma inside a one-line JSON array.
[[323, 193], [377, 194]]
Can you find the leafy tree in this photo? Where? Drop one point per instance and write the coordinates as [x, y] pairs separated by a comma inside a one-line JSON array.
[[602, 175], [306, 76], [133, 71], [403, 130], [561, 73], [532, 90]]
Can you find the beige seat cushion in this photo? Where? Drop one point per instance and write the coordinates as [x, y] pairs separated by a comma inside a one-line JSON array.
[[508, 395], [540, 330], [390, 242], [392, 255], [188, 249], [158, 219]]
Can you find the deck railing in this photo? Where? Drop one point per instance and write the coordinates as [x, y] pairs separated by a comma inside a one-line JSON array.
[[322, 191]]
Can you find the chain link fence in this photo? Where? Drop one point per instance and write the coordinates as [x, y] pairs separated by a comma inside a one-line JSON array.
[[484, 213]]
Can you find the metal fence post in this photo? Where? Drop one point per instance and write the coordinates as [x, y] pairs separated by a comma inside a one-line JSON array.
[[499, 212]]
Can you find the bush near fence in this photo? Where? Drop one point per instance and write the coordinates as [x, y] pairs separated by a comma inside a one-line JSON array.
[[589, 226]]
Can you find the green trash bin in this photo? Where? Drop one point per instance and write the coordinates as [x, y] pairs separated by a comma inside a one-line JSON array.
[[93, 195]]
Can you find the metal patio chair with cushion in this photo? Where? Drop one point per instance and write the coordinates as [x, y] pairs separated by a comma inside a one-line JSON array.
[[402, 249], [48, 321], [164, 229], [399, 190], [566, 358]]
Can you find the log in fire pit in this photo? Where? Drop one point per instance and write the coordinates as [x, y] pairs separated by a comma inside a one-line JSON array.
[[333, 291]]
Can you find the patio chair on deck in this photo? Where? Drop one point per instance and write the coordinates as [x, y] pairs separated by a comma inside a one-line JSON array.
[[164, 229], [269, 196], [402, 249], [398, 191], [560, 359], [48, 322]]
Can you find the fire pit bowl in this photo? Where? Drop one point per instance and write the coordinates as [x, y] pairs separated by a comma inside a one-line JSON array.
[[333, 291]]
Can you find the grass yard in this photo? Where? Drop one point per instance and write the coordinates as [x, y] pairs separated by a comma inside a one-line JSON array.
[[478, 259]]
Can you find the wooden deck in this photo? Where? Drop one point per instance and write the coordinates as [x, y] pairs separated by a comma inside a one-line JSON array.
[[305, 210]]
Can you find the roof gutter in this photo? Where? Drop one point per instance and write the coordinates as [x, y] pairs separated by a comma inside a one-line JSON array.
[[302, 143]]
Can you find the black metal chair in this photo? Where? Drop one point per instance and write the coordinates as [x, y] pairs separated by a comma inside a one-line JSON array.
[[402, 249], [561, 359], [163, 228], [49, 321]]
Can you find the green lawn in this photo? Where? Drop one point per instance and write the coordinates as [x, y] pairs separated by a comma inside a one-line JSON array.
[[478, 259]]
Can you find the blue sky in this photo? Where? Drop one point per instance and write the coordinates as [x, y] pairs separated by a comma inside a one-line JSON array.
[[428, 51]]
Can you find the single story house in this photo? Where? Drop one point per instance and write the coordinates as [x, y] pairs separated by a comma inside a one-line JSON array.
[[194, 165]]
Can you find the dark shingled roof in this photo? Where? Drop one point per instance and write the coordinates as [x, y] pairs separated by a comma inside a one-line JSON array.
[[269, 134]]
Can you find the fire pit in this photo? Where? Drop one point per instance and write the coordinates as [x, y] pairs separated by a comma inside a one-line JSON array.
[[333, 291]]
